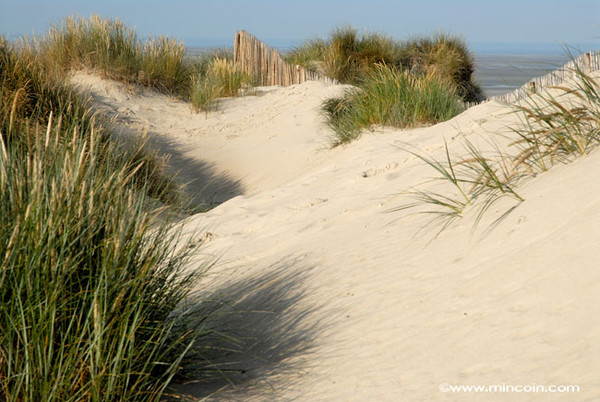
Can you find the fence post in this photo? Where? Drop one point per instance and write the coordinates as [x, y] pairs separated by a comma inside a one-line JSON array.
[[587, 63], [236, 47]]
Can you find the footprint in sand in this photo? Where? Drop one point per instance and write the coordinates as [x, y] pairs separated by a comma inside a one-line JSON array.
[[379, 170]]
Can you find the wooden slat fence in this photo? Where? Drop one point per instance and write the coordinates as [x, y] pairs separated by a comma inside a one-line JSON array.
[[587, 62], [266, 64]]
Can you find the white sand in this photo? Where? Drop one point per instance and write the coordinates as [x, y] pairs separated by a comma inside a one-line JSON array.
[[341, 301]]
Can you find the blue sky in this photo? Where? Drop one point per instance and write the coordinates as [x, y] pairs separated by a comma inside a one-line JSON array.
[[517, 21]]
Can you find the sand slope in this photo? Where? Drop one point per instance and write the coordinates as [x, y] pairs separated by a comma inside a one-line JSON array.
[[341, 300]]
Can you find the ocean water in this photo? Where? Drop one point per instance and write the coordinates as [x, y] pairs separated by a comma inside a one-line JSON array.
[[499, 67], [498, 74]]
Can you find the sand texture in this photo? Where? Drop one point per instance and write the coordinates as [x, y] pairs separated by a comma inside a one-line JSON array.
[[335, 297]]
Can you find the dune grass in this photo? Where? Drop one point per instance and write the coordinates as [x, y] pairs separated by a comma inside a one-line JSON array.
[[559, 124], [91, 276], [89, 280], [29, 92], [110, 48], [348, 56], [476, 180], [391, 97], [447, 57], [220, 78], [113, 50], [399, 83]]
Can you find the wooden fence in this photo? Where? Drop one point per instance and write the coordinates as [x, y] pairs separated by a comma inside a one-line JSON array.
[[265, 63], [587, 63]]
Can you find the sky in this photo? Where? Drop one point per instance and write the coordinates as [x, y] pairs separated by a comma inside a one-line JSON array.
[[570, 22]]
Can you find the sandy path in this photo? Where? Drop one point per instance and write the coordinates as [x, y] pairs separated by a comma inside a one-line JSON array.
[[251, 144]]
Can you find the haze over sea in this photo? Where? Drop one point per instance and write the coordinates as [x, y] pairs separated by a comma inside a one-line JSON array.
[[500, 67]]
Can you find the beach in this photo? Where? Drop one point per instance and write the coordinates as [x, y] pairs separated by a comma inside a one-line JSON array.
[[334, 201]]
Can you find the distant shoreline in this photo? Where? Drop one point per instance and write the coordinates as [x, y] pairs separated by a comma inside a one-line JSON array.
[[498, 74]]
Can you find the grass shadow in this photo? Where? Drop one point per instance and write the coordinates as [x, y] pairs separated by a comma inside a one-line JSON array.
[[260, 330], [204, 187]]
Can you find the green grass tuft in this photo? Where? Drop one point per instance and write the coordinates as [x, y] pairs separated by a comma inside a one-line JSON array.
[[348, 57], [91, 277], [221, 78], [447, 57], [112, 49], [391, 97]]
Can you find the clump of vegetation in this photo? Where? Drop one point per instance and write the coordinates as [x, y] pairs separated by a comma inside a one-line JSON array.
[[348, 57], [28, 91], [399, 83], [91, 277], [221, 78], [113, 50], [477, 180], [393, 97], [448, 58], [109, 47], [558, 125]]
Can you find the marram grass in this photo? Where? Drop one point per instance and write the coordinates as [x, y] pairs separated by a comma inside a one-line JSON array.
[[559, 125], [348, 56], [91, 277], [28, 92], [388, 96], [112, 49], [221, 78]]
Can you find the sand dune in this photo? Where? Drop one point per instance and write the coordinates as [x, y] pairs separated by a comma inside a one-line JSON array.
[[345, 300]]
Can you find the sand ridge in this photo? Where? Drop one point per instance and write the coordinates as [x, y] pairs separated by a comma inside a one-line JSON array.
[[362, 309]]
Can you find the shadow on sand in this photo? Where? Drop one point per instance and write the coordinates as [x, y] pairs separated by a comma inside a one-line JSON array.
[[259, 330], [203, 186]]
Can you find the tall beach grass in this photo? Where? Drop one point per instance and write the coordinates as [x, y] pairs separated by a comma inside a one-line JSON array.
[[447, 57], [348, 56], [109, 47], [89, 279], [218, 79], [392, 97], [29, 91], [421, 81], [91, 276]]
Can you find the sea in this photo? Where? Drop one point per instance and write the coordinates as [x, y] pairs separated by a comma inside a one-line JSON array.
[[499, 67]]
